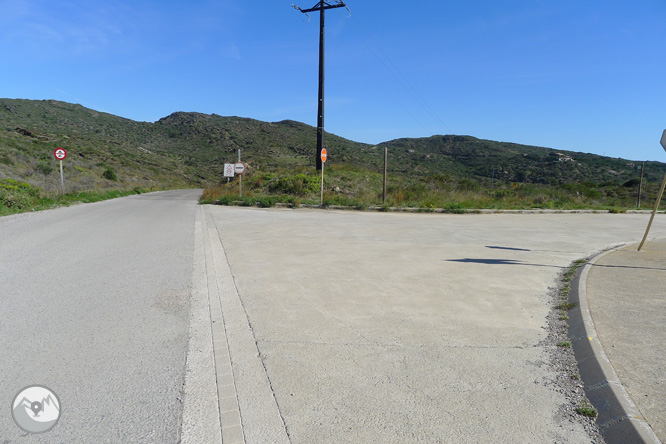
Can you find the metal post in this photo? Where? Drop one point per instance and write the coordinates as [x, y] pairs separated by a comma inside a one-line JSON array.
[[385, 168], [240, 177], [62, 180], [640, 186], [654, 211], [322, 183]]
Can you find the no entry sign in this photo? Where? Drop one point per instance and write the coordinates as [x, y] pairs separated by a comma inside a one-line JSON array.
[[323, 155], [60, 153], [239, 168]]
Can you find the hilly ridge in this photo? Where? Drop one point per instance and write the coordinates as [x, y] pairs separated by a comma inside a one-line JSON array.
[[189, 149]]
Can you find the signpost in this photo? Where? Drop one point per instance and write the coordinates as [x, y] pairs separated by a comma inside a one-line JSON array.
[[324, 155], [239, 168], [385, 170], [60, 154], [656, 204]]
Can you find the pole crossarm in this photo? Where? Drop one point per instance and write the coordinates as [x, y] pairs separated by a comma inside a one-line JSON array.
[[325, 4]]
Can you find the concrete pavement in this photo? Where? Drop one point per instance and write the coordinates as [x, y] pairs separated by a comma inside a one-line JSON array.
[[370, 327], [619, 341]]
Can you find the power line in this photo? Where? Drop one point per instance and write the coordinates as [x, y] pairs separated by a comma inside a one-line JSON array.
[[397, 73], [386, 90]]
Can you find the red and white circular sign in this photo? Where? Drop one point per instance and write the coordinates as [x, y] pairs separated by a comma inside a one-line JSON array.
[[239, 168], [323, 155], [60, 153]]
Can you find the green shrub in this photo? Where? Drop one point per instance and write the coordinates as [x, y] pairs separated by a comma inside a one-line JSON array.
[[20, 187], [468, 184], [44, 167], [110, 174], [15, 201], [266, 202], [5, 160], [632, 182], [454, 208], [225, 200], [299, 184], [502, 194]]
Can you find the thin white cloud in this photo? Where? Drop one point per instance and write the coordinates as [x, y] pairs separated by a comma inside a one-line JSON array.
[[66, 29]]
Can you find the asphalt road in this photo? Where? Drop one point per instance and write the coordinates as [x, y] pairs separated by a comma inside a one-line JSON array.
[[95, 305]]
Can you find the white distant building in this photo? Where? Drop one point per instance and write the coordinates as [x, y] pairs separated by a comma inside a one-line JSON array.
[[564, 158]]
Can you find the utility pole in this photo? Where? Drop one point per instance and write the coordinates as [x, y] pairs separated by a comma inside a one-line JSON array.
[[322, 6]]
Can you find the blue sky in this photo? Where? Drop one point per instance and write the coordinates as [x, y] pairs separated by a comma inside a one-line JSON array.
[[584, 76]]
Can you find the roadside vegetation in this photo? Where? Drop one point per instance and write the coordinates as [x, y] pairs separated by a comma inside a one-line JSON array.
[[358, 188], [21, 197]]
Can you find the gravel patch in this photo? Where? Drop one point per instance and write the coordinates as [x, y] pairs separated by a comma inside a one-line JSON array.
[[561, 355]]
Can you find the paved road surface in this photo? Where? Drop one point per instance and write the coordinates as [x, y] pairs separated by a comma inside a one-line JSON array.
[[95, 304], [304, 326], [353, 327]]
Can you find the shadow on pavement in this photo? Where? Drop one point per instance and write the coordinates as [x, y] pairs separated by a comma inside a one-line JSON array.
[[494, 247], [500, 262]]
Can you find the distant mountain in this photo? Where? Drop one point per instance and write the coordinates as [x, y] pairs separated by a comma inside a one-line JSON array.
[[216, 139], [189, 149], [471, 157]]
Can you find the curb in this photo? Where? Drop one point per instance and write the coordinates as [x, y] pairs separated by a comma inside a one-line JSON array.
[[200, 421], [381, 209], [249, 411], [619, 419]]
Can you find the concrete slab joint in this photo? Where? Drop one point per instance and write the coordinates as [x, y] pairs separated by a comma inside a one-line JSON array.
[[248, 409]]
